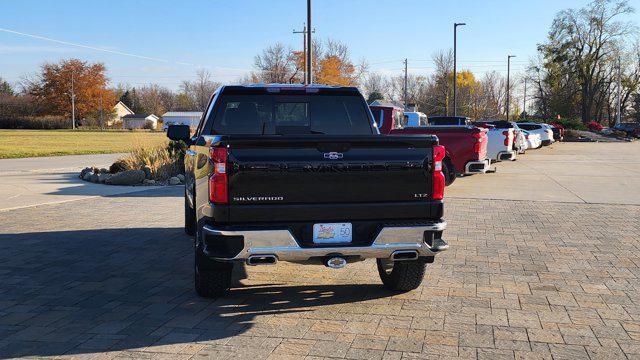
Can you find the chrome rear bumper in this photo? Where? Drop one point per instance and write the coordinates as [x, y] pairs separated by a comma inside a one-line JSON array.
[[507, 155], [477, 167], [284, 247]]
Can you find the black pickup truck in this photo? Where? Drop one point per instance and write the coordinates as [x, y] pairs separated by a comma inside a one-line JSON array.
[[301, 174]]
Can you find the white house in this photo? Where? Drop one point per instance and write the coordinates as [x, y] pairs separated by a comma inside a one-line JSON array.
[[138, 121], [191, 118], [121, 111]]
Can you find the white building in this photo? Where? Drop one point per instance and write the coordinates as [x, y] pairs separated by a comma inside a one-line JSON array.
[[121, 111], [191, 118], [138, 121]]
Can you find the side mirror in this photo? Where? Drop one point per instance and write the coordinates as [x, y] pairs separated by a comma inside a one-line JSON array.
[[179, 132]]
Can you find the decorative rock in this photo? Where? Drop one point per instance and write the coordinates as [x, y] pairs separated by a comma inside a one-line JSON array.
[[181, 178], [104, 171], [129, 177], [147, 172], [87, 176], [84, 172], [102, 177], [94, 178], [174, 181], [149, 182]]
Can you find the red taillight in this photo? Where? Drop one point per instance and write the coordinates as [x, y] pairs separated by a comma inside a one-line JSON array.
[[479, 137], [218, 193], [507, 137], [438, 176]]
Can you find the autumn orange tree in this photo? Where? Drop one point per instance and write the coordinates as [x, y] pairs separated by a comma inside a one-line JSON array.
[[58, 81], [331, 65]]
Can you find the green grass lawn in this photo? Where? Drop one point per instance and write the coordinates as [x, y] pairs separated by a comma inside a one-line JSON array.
[[30, 143]]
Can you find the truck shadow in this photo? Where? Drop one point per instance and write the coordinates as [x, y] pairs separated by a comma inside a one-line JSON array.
[[80, 292]]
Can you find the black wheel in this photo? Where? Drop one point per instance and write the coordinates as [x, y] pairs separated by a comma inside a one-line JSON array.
[[401, 275], [190, 222], [212, 278], [449, 173]]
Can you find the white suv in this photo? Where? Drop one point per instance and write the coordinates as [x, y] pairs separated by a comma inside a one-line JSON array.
[[544, 130]]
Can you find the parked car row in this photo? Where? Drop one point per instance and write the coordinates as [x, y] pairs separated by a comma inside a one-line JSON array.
[[471, 147]]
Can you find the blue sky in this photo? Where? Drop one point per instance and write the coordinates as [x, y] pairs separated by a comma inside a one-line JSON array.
[[224, 36]]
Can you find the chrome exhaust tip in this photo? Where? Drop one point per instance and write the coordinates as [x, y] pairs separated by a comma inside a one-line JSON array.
[[402, 255], [261, 260], [335, 262]]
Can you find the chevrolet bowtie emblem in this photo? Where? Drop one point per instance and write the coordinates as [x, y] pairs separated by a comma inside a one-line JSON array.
[[333, 155]]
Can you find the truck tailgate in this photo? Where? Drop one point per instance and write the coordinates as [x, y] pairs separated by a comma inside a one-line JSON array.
[[331, 173]]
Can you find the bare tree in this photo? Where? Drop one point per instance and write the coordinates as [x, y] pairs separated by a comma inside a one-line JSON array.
[[375, 83], [585, 43], [275, 65], [200, 90], [156, 99]]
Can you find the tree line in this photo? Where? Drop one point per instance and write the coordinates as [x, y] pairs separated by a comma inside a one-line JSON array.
[[590, 59], [45, 99], [589, 54]]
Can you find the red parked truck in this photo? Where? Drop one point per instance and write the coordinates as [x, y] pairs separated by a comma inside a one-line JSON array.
[[466, 146]]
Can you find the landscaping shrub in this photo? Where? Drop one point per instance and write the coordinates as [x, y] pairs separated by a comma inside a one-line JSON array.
[[594, 126], [571, 124], [36, 123], [119, 166], [570, 134], [619, 134], [148, 126], [163, 161], [177, 148]]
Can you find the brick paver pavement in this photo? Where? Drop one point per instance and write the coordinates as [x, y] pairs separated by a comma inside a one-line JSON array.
[[112, 278]]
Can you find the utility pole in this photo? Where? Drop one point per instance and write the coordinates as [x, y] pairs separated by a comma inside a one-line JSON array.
[[524, 100], [309, 77], [101, 123], [406, 81], [455, 67], [619, 115], [508, 83], [73, 101], [304, 51]]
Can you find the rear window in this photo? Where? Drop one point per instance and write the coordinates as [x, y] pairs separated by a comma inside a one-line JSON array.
[[444, 121], [271, 114], [529, 126], [448, 120], [501, 124]]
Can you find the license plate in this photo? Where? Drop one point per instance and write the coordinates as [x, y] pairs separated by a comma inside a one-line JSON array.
[[332, 233]]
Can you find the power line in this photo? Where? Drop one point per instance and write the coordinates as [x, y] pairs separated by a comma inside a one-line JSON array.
[[94, 47]]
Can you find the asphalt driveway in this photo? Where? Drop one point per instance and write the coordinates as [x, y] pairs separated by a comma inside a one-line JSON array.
[[602, 173], [49, 180]]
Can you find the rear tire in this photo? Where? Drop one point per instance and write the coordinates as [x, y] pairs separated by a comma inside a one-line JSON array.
[[401, 275], [449, 173], [190, 223], [212, 278]]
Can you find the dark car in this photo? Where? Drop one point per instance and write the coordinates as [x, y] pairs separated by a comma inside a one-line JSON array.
[[301, 174], [631, 129]]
